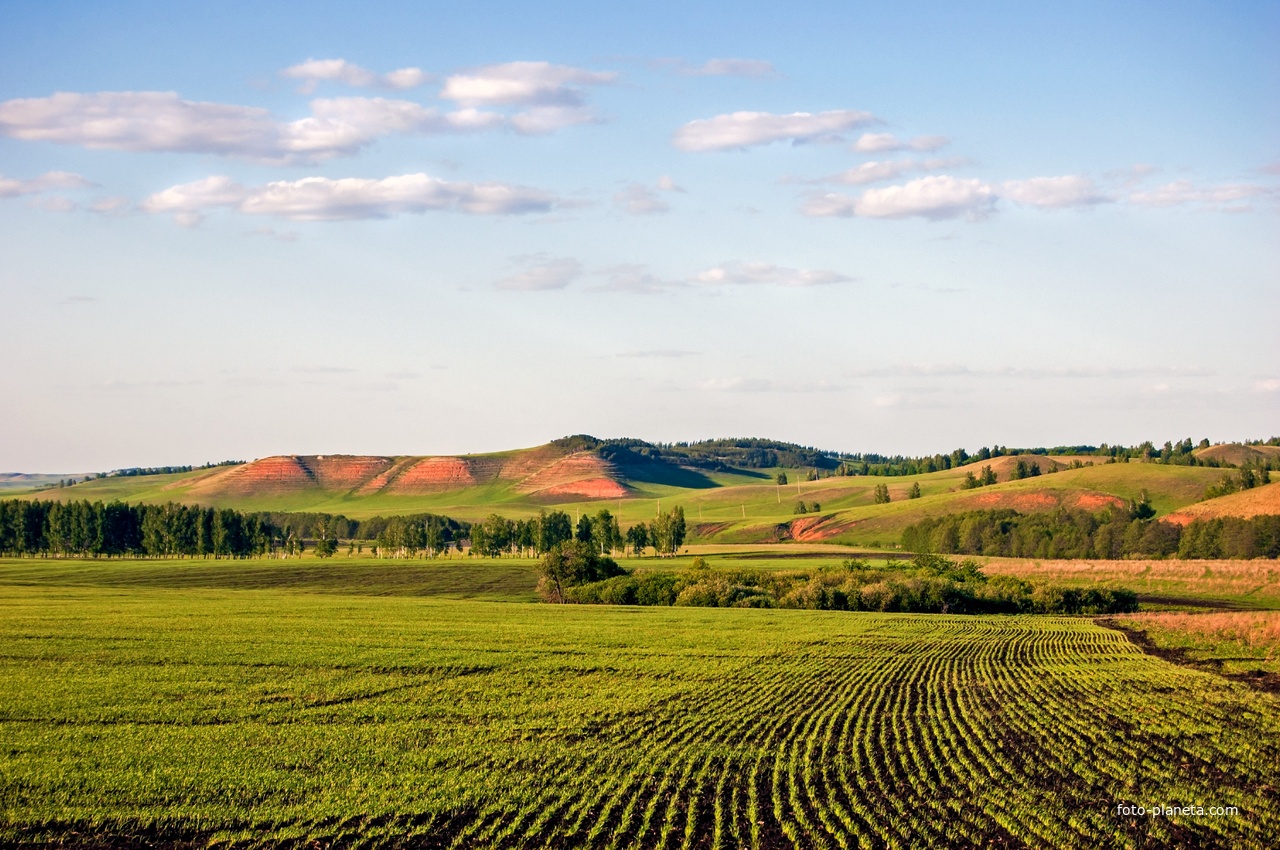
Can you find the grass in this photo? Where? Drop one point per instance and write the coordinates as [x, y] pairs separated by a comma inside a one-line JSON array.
[[360, 703], [1171, 583], [1245, 643]]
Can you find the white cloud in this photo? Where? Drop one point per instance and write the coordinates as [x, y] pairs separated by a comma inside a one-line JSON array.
[[553, 94], [344, 125], [542, 120], [12, 187], [325, 199], [546, 275], [740, 130], [731, 68], [1270, 385], [735, 273], [935, 197], [666, 184], [523, 83], [162, 121], [638, 199], [314, 71], [883, 142], [1054, 192], [1182, 192], [875, 171]]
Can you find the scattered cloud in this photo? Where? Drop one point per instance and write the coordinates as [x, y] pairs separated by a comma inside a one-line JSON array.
[[638, 199], [553, 95], [738, 274], [325, 199], [876, 171], [666, 184], [1184, 192], [730, 68], [935, 197], [164, 122], [1269, 385], [1054, 192], [741, 130], [888, 142], [542, 276], [942, 196], [314, 71], [51, 180], [524, 84]]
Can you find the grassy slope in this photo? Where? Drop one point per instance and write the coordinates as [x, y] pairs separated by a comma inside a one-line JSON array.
[[1246, 503], [1242, 643], [139, 715], [740, 509]]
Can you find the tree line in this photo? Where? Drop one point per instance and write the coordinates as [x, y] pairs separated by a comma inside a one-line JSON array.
[[114, 529], [1074, 533], [497, 535]]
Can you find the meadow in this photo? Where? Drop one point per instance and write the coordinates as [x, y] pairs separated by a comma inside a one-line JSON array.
[[362, 702]]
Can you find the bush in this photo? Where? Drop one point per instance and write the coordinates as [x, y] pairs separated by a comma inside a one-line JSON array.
[[930, 584], [570, 564]]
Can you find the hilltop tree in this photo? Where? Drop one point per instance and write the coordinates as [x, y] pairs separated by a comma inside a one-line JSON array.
[[882, 494], [988, 476]]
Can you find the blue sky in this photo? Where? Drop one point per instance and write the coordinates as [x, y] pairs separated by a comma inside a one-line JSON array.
[[421, 228]]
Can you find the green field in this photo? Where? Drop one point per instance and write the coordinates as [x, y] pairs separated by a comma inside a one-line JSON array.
[[368, 703]]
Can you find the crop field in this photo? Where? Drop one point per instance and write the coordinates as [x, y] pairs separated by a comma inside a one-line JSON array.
[[291, 711]]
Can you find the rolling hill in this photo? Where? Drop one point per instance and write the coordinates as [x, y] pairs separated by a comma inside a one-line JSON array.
[[723, 504]]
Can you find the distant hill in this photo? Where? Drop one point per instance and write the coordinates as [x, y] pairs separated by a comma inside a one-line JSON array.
[[728, 493], [15, 481], [1235, 454]]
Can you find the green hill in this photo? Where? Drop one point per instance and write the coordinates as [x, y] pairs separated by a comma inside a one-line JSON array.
[[723, 503]]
